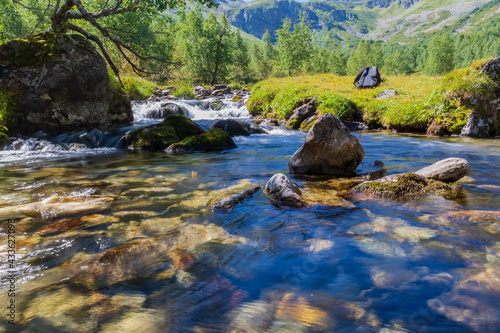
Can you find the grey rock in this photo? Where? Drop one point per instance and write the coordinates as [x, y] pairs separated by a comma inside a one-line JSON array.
[[201, 91], [300, 114], [330, 148], [448, 170], [284, 192], [388, 93], [226, 203], [356, 125], [237, 128]]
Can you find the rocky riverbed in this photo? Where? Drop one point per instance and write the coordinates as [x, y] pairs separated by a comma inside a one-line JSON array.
[[114, 239]]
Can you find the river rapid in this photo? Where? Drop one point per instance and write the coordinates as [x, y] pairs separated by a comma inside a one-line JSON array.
[[115, 240]]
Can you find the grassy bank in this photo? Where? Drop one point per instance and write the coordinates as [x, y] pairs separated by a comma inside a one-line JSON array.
[[421, 99]]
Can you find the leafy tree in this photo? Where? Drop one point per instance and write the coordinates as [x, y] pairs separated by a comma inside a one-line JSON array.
[[360, 58], [440, 55], [269, 49], [94, 20], [241, 59], [338, 63], [320, 61], [205, 46], [294, 47]]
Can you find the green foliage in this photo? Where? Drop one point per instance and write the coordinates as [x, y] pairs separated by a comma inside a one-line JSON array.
[[183, 90], [294, 46], [137, 88], [365, 55], [341, 107], [440, 59]]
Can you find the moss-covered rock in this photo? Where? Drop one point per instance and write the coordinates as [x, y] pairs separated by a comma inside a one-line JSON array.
[[158, 137], [410, 185], [212, 140], [57, 81]]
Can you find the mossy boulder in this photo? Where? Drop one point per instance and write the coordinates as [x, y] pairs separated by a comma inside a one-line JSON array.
[[4, 136], [410, 185], [173, 129], [59, 82], [212, 140]]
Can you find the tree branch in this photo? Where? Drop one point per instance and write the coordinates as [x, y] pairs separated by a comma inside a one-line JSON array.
[[96, 40]]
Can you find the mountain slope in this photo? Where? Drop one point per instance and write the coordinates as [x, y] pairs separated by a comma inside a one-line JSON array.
[[344, 22]]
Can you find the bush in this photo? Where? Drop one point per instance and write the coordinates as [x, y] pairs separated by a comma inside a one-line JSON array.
[[137, 88], [340, 106], [183, 90]]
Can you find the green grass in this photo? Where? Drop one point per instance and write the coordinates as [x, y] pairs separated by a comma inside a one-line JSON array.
[[138, 88], [421, 99], [183, 90]]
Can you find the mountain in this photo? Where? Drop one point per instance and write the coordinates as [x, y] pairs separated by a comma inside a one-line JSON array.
[[343, 23]]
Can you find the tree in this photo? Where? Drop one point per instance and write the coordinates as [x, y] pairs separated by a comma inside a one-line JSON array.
[[294, 47], [320, 61], [241, 59], [360, 58], [338, 63], [440, 55], [205, 46], [93, 19]]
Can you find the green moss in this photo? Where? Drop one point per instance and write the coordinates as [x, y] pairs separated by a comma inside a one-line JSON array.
[[411, 185], [306, 126], [153, 139], [158, 137], [184, 127], [9, 111], [294, 123], [212, 140], [37, 50], [237, 98]]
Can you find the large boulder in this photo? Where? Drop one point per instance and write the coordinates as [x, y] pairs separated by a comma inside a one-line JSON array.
[[59, 82], [283, 192], [448, 170], [237, 128], [485, 117], [330, 148], [300, 114]]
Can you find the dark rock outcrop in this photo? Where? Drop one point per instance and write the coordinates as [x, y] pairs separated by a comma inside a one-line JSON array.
[[485, 114], [237, 128], [437, 129], [330, 148], [301, 113], [60, 82], [447, 170], [283, 192]]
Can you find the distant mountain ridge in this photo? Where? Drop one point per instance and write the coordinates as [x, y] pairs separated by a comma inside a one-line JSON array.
[[338, 22]]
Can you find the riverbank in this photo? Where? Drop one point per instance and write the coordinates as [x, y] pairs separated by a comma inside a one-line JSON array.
[[415, 103]]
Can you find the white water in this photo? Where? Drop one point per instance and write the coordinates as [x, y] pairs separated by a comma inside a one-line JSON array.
[[194, 109], [68, 145]]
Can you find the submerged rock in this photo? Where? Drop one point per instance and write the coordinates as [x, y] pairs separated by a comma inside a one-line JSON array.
[[330, 148], [212, 140], [473, 301], [448, 170], [158, 137], [408, 185], [236, 128], [300, 114], [56, 206], [282, 191], [60, 82], [228, 202]]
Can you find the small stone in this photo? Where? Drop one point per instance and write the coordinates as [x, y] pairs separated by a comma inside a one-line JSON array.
[[282, 191], [448, 170]]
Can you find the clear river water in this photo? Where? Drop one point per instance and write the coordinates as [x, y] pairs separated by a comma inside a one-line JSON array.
[[114, 240]]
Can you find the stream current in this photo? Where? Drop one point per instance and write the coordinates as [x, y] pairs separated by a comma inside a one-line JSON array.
[[147, 254]]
